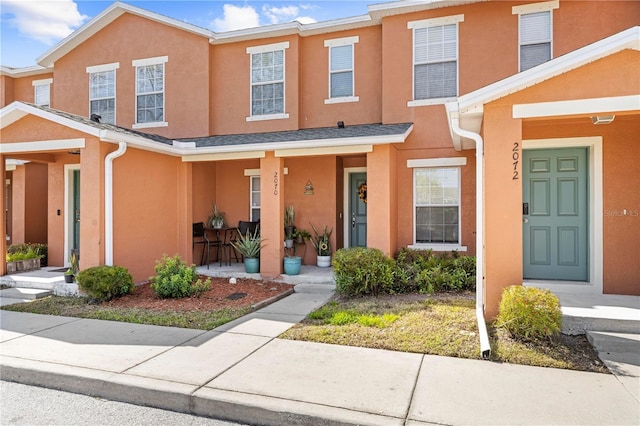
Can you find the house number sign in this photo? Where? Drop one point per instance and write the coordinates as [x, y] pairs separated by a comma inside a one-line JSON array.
[[515, 157], [275, 183]]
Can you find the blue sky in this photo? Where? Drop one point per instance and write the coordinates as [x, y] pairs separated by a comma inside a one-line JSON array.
[[28, 28]]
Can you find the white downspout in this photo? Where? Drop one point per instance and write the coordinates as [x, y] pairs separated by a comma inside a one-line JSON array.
[[485, 347], [108, 202]]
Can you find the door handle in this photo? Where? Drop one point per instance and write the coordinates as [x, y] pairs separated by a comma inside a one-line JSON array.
[[353, 221], [525, 220]]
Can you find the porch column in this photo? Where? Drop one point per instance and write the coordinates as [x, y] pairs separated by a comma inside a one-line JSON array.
[[92, 202], [272, 214], [185, 211], [18, 204], [503, 203], [3, 218], [382, 199]]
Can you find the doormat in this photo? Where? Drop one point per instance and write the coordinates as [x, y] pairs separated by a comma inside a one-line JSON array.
[[58, 270], [236, 296]]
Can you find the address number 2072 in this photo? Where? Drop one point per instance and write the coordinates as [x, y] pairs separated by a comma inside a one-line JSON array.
[[515, 156]]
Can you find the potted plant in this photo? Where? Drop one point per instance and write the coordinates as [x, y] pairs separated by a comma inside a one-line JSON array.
[[301, 235], [322, 244], [292, 263], [289, 226], [249, 245], [71, 272], [216, 217]]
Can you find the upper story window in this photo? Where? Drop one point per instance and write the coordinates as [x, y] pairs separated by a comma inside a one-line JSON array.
[[102, 91], [341, 70], [267, 81], [42, 92], [150, 92], [437, 187], [435, 59], [535, 23]]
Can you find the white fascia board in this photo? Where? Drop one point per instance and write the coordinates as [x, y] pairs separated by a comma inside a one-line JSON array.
[[578, 106], [327, 150], [223, 156], [627, 39], [16, 110], [407, 6], [50, 145], [25, 71], [103, 19]]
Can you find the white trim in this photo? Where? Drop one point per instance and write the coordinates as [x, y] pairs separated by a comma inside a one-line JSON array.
[[346, 207], [104, 67], [341, 100], [435, 22], [42, 82], [438, 247], [580, 106], [328, 150], [148, 125], [437, 162], [535, 7], [267, 47], [233, 155], [268, 117], [150, 61], [68, 208], [256, 172], [25, 71], [49, 145], [596, 235], [426, 102], [343, 41], [252, 190]]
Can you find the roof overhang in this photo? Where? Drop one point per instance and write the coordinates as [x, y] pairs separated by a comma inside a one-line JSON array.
[[469, 108], [25, 71], [408, 6]]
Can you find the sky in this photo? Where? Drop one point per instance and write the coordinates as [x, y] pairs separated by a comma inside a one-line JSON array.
[[29, 28]]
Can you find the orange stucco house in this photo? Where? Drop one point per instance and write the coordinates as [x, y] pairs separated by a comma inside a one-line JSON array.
[[508, 130]]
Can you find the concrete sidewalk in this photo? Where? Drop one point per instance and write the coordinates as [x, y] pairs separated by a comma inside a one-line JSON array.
[[243, 372]]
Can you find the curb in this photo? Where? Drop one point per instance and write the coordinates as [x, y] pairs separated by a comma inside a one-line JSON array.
[[271, 300]]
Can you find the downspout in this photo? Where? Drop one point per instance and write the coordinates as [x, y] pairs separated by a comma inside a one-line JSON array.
[[108, 202], [485, 347]]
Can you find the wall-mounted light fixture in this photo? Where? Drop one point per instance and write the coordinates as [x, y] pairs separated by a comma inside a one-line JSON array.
[[308, 188], [75, 152], [340, 124], [602, 119]]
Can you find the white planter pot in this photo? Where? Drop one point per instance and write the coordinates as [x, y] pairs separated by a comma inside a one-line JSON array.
[[324, 261]]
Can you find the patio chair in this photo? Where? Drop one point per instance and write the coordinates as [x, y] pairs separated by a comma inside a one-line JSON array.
[[200, 237]]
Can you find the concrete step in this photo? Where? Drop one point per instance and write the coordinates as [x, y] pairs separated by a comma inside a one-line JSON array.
[[25, 293], [327, 288], [582, 324]]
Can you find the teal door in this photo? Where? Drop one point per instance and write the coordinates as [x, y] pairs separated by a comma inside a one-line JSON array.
[[75, 240], [358, 210], [555, 214]]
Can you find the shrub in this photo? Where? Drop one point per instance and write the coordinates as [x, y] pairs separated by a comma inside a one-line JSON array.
[[105, 282], [529, 312], [174, 279], [362, 270], [428, 272], [26, 251]]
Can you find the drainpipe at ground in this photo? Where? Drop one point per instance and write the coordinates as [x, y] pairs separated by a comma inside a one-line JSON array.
[[108, 202], [485, 348]]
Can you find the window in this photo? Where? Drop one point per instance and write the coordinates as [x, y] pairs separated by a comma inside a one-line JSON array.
[[535, 33], [267, 81], [150, 92], [437, 205], [255, 198], [102, 91], [42, 92], [435, 58], [341, 75]]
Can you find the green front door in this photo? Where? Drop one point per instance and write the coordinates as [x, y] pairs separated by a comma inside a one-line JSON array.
[[358, 210], [75, 240], [555, 214]]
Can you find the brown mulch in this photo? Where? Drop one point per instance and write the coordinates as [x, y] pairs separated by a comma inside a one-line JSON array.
[[249, 291]]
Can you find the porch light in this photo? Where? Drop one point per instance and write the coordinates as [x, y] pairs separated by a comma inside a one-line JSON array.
[[602, 119], [340, 124]]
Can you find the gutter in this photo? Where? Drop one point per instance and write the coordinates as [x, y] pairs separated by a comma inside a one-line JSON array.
[[485, 347], [108, 202]]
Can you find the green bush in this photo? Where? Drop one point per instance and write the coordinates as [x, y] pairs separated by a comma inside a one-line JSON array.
[[362, 270], [174, 279], [427, 272], [27, 251], [529, 312], [105, 282]]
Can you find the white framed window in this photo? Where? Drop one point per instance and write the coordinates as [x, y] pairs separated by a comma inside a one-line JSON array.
[[437, 207], [102, 91], [535, 33], [150, 90], [267, 81], [341, 70], [42, 92], [254, 196], [435, 59]]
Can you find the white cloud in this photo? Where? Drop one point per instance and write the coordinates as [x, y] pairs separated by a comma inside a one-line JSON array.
[[236, 18], [276, 15], [44, 20]]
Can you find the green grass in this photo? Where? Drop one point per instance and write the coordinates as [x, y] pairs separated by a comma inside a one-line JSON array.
[[438, 325], [80, 308]]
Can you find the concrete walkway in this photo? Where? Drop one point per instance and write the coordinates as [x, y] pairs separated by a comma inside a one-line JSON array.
[[243, 372]]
